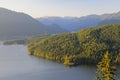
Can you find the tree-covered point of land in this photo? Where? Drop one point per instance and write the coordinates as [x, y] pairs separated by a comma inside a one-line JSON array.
[[86, 46]]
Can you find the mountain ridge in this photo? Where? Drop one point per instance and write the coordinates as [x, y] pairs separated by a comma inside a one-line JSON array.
[[76, 23], [20, 25]]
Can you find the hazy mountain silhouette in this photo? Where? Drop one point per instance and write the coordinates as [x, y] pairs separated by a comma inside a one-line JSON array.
[[20, 25], [74, 23], [110, 19]]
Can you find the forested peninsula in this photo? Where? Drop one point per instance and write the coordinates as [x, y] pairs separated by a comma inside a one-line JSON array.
[[86, 46]]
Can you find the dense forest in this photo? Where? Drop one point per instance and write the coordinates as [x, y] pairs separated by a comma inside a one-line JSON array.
[[86, 46]]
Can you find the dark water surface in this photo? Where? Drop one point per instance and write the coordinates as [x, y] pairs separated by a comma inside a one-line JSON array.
[[15, 64]]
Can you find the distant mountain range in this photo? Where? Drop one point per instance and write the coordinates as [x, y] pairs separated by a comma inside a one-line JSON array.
[[16, 25], [75, 23]]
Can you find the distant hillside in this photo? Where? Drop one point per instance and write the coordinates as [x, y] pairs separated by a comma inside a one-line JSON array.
[[54, 29], [86, 46], [71, 23], [110, 19], [74, 23], [19, 25]]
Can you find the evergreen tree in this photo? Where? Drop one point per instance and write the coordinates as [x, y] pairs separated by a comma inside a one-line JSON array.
[[106, 69], [67, 61]]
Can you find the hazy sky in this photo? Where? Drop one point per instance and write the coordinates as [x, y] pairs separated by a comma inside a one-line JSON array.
[[76, 8]]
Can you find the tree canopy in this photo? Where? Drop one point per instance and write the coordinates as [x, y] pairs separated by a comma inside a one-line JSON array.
[[86, 46]]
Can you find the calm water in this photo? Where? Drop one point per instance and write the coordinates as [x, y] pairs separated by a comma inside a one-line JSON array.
[[15, 64]]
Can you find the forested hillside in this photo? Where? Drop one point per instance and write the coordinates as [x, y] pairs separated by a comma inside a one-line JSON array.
[[86, 46]]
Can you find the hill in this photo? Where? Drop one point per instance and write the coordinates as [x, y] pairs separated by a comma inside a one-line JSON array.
[[16, 25], [86, 46]]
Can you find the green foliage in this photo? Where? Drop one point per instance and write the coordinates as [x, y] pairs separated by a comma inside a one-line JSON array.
[[83, 47], [106, 70]]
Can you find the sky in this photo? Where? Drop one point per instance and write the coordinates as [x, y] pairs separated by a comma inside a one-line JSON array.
[[74, 8]]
